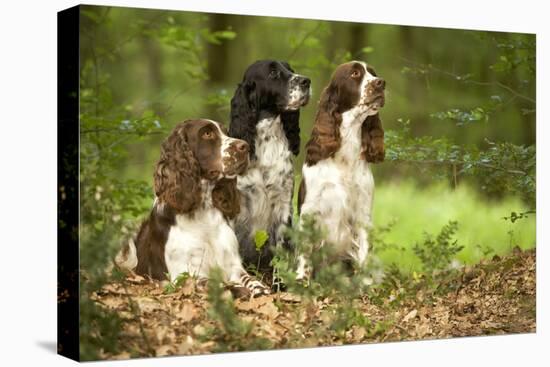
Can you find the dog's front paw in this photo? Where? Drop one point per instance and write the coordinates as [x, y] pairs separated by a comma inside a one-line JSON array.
[[259, 289]]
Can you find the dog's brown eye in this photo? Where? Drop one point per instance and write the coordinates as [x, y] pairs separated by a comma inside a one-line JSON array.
[[208, 135], [355, 74], [274, 74]]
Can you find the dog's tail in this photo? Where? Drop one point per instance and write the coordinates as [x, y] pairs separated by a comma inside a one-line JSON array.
[[127, 256]]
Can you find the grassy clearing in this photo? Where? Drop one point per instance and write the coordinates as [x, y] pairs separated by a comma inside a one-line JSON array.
[[481, 228]]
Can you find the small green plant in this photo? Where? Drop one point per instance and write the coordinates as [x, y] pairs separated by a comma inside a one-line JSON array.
[[516, 216], [260, 238], [177, 283], [230, 332], [485, 250], [342, 286], [347, 314], [99, 329], [437, 253]]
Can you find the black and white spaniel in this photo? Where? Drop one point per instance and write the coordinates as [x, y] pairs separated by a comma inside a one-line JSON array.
[[265, 112], [188, 229], [337, 184]]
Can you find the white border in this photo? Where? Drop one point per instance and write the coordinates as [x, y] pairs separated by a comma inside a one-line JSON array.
[[28, 153]]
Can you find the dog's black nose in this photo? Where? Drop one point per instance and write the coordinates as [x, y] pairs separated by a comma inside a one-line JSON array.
[[242, 146], [305, 82], [379, 83]]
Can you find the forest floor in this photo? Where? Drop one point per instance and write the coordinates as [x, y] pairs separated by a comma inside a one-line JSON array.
[[496, 296]]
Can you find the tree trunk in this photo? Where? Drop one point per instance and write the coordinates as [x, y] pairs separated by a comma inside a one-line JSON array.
[[217, 54]]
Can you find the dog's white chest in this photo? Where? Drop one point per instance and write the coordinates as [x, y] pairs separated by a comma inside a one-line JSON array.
[[198, 242], [268, 182], [272, 145], [339, 192]]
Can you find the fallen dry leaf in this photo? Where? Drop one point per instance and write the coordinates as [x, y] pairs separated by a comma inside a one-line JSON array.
[[136, 279], [289, 297], [148, 304], [187, 313], [268, 309], [252, 304], [410, 315], [163, 350], [358, 333]]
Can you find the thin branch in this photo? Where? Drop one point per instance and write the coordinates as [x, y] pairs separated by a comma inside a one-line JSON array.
[[450, 163], [300, 44], [475, 82], [503, 86]]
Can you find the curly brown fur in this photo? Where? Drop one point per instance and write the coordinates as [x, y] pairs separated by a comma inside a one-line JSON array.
[[177, 175], [372, 140], [226, 197]]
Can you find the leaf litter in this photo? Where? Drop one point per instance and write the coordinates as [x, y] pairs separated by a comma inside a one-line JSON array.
[[497, 296]]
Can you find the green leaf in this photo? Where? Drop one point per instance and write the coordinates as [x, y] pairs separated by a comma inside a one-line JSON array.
[[260, 238], [367, 50], [228, 35]]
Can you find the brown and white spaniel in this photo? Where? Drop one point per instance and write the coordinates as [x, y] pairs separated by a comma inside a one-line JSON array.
[[188, 229], [337, 184]]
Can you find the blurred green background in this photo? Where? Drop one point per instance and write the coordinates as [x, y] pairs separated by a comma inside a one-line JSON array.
[[142, 71]]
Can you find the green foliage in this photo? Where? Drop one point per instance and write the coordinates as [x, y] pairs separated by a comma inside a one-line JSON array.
[[437, 253], [521, 215], [482, 229], [345, 288], [260, 238], [306, 239], [347, 315], [516, 52], [501, 168], [98, 330], [110, 205], [230, 332], [220, 99], [190, 43], [330, 276], [331, 280], [176, 284], [463, 117]]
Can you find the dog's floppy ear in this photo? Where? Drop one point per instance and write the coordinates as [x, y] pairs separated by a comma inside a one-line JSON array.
[[325, 137], [372, 139], [177, 175], [244, 114], [291, 127]]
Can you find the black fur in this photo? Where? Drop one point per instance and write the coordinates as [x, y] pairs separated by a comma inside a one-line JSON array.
[[244, 114], [291, 127], [264, 88]]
